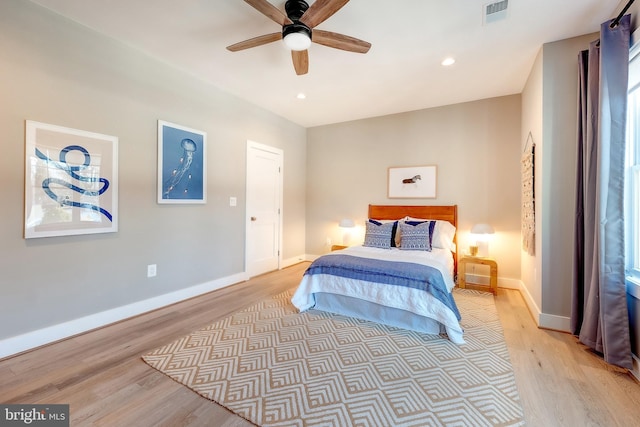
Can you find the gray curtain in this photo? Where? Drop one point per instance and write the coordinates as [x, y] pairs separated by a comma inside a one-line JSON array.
[[599, 315]]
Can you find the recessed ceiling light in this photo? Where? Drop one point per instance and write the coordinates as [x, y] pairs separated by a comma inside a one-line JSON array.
[[301, 96], [448, 61]]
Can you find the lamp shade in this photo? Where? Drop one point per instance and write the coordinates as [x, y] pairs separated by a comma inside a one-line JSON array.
[[346, 223], [482, 229]]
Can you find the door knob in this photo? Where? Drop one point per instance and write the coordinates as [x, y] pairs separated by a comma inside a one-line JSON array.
[[253, 218]]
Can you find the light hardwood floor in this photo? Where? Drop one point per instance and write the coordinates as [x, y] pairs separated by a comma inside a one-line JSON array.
[[101, 375]]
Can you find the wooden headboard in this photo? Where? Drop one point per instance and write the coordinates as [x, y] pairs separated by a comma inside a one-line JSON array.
[[444, 213]]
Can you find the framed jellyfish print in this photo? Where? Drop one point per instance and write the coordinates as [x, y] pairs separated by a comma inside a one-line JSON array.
[[71, 181], [182, 169]]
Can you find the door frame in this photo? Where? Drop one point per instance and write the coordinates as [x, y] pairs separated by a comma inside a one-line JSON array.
[[252, 145]]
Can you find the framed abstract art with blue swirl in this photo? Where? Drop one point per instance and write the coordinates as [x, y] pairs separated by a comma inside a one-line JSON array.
[[181, 164], [71, 181]]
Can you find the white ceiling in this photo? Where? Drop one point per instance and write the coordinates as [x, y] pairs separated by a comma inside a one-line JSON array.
[[401, 72]]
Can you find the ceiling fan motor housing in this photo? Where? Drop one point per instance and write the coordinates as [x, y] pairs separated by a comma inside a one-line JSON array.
[[296, 27], [295, 9]]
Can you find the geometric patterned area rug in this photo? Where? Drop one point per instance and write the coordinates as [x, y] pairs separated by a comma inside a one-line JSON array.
[[274, 366]]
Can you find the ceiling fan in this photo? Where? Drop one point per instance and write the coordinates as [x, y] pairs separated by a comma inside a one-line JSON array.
[[298, 30]]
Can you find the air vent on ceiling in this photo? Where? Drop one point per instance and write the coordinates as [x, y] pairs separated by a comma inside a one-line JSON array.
[[495, 11]]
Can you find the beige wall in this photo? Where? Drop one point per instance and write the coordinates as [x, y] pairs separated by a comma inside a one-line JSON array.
[[55, 71], [550, 113], [560, 118], [532, 101], [475, 146]]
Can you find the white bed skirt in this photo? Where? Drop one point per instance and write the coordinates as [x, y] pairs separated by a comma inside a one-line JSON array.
[[408, 308]]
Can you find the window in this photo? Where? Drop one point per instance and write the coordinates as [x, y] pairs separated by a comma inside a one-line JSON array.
[[632, 184]]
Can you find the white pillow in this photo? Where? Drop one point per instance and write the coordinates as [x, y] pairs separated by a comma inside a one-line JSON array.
[[442, 235]]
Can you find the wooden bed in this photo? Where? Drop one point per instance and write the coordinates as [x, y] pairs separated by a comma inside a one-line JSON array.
[[445, 213]]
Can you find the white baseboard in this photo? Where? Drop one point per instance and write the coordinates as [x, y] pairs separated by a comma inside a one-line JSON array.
[[50, 334], [294, 260], [544, 320], [508, 283], [557, 323], [531, 304], [503, 282]]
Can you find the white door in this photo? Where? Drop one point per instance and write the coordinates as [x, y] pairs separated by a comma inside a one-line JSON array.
[[264, 207]]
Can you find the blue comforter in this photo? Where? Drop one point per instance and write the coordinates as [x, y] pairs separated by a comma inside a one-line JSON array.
[[395, 273]]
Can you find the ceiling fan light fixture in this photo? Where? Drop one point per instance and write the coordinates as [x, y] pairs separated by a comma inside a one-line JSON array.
[[296, 36], [298, 27], [297, 41]]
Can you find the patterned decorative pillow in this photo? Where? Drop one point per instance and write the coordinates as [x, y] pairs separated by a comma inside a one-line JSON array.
[[395, 234], [443, 233], [378, 235], [416, 236]]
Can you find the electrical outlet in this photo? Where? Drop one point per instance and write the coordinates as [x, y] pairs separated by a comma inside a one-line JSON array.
[[151, 270], [328, 241]]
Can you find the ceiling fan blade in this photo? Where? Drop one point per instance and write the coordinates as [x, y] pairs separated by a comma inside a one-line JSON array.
[[254, 42], [270, 11], [300, 61], [319, 11], [340, 41]]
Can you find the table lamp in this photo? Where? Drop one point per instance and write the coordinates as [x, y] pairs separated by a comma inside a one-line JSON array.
[[480, 236], [346, 224]]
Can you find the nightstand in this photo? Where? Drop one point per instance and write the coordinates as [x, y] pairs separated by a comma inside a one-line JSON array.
[[493, 273], [338, 247]]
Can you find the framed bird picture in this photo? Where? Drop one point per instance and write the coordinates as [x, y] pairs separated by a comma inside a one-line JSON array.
[[413, 182]]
